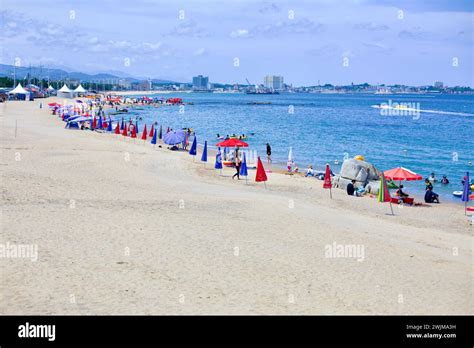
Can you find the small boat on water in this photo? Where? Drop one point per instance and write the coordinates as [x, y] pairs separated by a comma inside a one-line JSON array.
[[259, 103]]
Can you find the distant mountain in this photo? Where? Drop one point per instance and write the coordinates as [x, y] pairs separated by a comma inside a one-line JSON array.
[[60, 74]]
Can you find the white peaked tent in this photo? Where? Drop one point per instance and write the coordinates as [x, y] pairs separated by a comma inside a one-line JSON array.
[[50, 88], [80, 89], [65, 92], [19, 90]]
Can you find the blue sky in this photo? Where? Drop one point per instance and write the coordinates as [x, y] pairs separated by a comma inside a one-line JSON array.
[[407, 41]]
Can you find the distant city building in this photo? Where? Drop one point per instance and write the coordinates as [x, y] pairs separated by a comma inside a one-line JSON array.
[[438, 84], [273, 82], [200, 82]]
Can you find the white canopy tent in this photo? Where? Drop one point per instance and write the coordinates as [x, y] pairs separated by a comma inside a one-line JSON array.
[[80, 89], [50, 88], [19, 90], [65, 92]]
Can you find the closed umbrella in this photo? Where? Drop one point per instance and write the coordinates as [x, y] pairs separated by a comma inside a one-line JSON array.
[[152, 130], [384, 195], [243, 168], [204, 153], [327, 179], [218, 164], [144, 133], [465, 192], [193, 149], [153, 140]]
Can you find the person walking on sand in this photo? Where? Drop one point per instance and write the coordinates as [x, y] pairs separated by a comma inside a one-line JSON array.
[[237, 165], [269, 153]]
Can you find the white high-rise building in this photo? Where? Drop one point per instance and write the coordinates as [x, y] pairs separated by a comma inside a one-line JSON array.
[[273, 82]]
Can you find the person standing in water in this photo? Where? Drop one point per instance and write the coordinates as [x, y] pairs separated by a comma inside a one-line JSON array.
[[269, 153]]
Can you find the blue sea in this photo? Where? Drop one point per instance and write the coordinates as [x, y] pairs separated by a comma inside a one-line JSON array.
[[324, 127]]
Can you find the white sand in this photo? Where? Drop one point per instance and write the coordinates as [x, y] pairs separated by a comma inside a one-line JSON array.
[[204, 244]]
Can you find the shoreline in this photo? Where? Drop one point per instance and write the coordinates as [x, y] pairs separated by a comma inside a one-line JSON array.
[[129, 229]]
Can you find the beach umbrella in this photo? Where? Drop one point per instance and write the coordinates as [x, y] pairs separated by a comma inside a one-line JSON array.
[[327, 179], [218, 164], [153, 140], [122, 125], [193, 149], [465, 192], [160, 135], [290, 154], [174, 137], [243, 168], [400, 173], [136, 126], [260, 175], [100, 122], [152, 131], [204, 152], [232, 142], [94, 123], [109, 126], [124, 132], [168, 130], [384, 195], [144, 133], [134, 132], [117, 128]]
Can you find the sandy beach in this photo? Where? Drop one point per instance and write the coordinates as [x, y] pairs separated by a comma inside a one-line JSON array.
[[125, 228]]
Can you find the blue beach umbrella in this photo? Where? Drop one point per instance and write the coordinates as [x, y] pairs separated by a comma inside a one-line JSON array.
[[465, 192], [153, 141], [193, 149], [109, 126], [100, 122], [160, 134], [174, 137], [218, 164], [204, 152], [136, 126], [122, 124]]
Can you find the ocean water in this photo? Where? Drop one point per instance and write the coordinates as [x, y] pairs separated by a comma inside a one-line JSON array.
[[324, 127]]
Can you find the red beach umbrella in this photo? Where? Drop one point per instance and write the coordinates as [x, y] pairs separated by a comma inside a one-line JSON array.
[[152, 130], [134, 132], [94, 123], [117, 128], [400, 173], [261, 175], [144, 133], [124, 132], [232, 142], [327, 180]]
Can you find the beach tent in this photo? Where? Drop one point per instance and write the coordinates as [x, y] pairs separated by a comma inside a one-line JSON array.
[[65, 92], [80, 89], [50, 88], [19, 90]]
